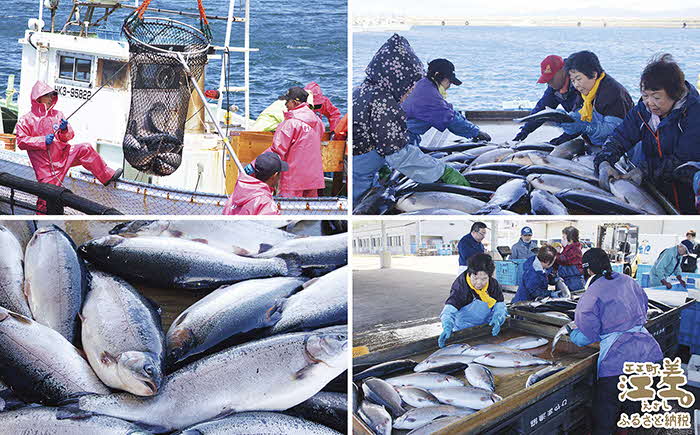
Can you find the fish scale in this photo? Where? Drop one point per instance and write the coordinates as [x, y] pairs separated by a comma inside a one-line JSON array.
[[56, 280]]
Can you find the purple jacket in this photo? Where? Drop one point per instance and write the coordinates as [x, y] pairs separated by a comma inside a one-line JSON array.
[[426, 103], [614, 306]]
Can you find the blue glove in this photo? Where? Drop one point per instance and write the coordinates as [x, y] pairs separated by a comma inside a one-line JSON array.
[[448, 324], [63, 125], [576, 127], [498, 317], [579, 338], [49, 139], [249, 169]]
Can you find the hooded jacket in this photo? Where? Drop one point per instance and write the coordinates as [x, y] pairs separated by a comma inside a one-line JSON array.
[[251, 197], [379, 122], [327, 108], [32, 129], [297, 141]]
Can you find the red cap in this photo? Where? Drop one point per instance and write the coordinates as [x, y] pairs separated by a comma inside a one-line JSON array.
[[550, 66]]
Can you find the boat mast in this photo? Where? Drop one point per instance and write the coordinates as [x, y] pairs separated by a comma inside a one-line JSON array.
[[225, 59]]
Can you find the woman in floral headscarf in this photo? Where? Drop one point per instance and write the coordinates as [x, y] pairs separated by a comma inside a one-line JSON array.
[[379, 128]]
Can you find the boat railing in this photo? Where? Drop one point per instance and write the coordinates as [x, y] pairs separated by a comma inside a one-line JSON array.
[[21, 194]]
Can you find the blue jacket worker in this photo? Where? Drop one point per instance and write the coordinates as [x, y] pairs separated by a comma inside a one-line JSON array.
[[475, 299], [380, 135], [426, 106], [668, 263], [666, 120], [602, 102], [471, 244], [559, 92], [523, 248], [537, 276]]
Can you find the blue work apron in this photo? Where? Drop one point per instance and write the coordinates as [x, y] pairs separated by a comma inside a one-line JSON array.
[[475, 314]]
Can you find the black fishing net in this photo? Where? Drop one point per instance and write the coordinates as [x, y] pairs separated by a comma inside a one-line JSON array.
[[160, 90]]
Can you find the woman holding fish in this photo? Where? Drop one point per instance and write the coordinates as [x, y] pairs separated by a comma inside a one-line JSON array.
[[602, 103], [666, 120], [612, 311], [476, 298], [426, 106]]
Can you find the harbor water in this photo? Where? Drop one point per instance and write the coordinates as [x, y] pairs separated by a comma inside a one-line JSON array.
[[297, 44], [498, 64]]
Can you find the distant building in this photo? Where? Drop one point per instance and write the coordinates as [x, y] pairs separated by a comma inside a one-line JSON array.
[[406, 238]]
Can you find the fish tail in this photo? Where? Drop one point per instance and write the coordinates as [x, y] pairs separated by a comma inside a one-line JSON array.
[[293, 264]]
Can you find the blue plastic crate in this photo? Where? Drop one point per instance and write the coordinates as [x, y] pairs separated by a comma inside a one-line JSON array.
[[507, 272], [642, 269], [689, 334]]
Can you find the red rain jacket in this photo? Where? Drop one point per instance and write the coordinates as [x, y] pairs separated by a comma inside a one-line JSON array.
[[327, 108], [31, 132], [251, 197], [297, 141]]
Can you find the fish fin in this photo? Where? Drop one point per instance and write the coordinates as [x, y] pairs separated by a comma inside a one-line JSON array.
[[175, 233], [27, 290], [72, 412], [309, 282], [153, 304], [204, 241], [128, 235], [274, 313], [107, 358], [264, 247], [293, 263], [241, 251], [71, 401], [301, 374], [81, 317], [19, 318], [225, 413]]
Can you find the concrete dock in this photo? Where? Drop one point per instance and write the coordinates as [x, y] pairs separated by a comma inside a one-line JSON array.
[[414, 289]]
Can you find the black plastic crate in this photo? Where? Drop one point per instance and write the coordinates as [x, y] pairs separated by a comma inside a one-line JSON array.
[[564, 411], [666, 331]]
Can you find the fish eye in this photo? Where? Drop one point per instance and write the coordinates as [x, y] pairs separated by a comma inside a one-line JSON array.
[[149, 370]]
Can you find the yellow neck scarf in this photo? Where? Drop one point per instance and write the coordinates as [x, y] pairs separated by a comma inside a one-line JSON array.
[[442, 91], [482, 292], [587, 109]]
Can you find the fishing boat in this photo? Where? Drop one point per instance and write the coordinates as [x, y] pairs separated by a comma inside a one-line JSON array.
[[89, 68]]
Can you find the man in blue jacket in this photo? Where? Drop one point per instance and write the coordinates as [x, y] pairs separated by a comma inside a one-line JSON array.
[[537, 276], [559, 92], [471, 244]]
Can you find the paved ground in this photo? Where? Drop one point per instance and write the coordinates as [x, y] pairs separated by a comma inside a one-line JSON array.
[[414, 288]]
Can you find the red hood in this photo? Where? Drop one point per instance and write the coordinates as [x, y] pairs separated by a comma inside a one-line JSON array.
[[304, 114], [249, 188], [315, 89], [40, 88]]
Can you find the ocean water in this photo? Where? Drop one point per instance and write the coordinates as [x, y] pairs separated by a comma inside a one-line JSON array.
[[299, 42], [499, 64]]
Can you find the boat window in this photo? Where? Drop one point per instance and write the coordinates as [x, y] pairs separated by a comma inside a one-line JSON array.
[[82, 70], [112, 74], [74, 68], [67, 65]]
